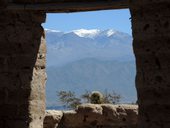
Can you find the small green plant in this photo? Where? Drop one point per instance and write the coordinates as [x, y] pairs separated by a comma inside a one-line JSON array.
[[96, 97], [86, 96], [111, 98], [70, 100]]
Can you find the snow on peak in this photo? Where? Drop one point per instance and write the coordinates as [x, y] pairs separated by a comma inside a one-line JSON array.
[[50, 30], [110, 32], [87, 33], [92, 33]]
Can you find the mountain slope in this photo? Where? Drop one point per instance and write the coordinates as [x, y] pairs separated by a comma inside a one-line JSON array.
[[92, 74], [79, 44]]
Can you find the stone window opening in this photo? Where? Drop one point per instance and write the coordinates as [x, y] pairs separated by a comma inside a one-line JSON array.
[[55, 43], [22, 89]]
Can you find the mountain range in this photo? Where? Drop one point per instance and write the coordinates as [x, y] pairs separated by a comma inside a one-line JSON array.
[[93, 59]]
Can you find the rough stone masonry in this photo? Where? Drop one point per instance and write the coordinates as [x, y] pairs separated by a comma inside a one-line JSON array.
[[94, 116], [151, 33], [22, 70], [22, 63]]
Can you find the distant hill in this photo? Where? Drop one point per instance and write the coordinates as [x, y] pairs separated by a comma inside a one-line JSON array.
[[90, 60]]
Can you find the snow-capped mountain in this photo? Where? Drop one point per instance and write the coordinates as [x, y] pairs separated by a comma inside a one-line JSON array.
[[93, 59], [78, 44], [87, 33]]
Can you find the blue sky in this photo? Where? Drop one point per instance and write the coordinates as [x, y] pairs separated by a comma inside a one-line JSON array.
[[110, 19]]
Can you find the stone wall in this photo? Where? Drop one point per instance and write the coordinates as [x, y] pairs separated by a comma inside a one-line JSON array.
[[151, 32], [93, 116], [22, 66], [22, 70]]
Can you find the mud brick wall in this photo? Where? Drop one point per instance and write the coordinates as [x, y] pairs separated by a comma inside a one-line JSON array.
[[151, 32], [22, 65], [22, 70], [94, 116]]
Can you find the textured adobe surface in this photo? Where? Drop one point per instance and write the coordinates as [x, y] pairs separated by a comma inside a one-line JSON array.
[[22, 70], [52, 118], [151, 32], [94, 116], [22, 64]]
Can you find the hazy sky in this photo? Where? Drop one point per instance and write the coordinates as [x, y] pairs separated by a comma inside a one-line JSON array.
[[112, 19]]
